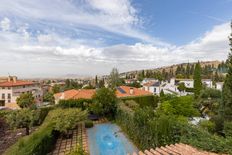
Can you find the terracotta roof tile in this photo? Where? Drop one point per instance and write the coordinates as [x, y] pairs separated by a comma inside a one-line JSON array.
[[17, 83], [177, 149], [136, 92], [76, 94]]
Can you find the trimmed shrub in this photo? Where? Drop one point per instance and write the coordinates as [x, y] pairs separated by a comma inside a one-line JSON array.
[[40, 114], [147, 129], [42, 140], [38, 143], [228, 129], [88, 124], [207, 125], [143, 101], [75, 103]]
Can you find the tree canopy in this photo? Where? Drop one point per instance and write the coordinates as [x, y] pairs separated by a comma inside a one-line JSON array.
[[104, 102], [197, 80], [26, 100], [227, 87]]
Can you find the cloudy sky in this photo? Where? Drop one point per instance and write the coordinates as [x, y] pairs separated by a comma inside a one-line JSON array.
[[47, 38]]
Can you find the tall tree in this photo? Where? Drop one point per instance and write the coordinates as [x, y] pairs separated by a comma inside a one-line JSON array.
[[114, 78], [188, 71], [227, 87], [26, 100], [96, 82], [197, 80], [23, 118]]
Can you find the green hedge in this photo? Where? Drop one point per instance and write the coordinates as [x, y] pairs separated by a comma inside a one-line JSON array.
[[77, 103], [149, 130], [143, 101], [42, 140], [39, 142], [41, 114]]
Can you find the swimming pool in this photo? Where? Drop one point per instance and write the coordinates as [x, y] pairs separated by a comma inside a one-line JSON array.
[[107, 139]]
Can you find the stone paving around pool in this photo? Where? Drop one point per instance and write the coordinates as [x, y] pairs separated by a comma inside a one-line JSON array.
[[79, 136], [66, 145]]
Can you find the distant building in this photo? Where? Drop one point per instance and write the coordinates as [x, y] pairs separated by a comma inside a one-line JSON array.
[[189, 83], [219, 85], [11, 89], [146, 80]]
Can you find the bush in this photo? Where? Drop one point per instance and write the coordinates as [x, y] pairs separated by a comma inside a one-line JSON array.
[[38, 143], [40, 114], [88, 124], [179, 106], [189, 90], [104, 103], [212, 93], [207, 125], [144, 101], [228, 129], [75, 103], [42, 140], [147, 130]]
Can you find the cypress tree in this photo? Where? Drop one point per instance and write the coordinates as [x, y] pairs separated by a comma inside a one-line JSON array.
[[197, 80], [188, 71], [227, 87]]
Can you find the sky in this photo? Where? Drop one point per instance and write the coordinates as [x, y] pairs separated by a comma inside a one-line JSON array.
[[51, 38]]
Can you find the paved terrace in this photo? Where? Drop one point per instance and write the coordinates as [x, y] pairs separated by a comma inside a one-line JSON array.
[[79, 136], [66, 145]]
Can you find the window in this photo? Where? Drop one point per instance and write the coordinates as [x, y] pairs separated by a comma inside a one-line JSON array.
[[9, 88], [8, 101], [3, 87], [154, 89], [3, 96], [23, 86], [9, 96]]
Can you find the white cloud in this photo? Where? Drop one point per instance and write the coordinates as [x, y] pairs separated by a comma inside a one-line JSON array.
[[72, 56], [5, 24], [114, 16]]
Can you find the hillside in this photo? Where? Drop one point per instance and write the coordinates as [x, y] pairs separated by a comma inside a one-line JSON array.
[[174, 67]]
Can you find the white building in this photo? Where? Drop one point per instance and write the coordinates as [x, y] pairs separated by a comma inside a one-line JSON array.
[[153, 87], [219, 85], [148, 80], [11, 89], [189, 83]]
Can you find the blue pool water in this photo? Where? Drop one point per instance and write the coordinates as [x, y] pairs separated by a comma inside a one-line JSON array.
[[107, 139]]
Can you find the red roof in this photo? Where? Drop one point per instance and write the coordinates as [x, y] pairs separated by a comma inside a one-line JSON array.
[[126, 92], [17, 83], [177, 149], [88, 93], [77, 94]]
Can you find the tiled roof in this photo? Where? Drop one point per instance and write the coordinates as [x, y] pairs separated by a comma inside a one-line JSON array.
[[17, 83], [76, 94], [88, 93], [149, 84], [136, 92], [177, 149]]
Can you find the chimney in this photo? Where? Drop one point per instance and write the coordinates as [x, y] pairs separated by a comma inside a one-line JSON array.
[[9, 79], [131, 91], [62, 96], [14, 79]]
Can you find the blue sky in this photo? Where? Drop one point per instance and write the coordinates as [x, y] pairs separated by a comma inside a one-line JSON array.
[[50, 38]]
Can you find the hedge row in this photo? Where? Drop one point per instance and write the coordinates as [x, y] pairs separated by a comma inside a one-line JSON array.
[[148, 130], [39, 142], [143, 101], [77, 103]]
